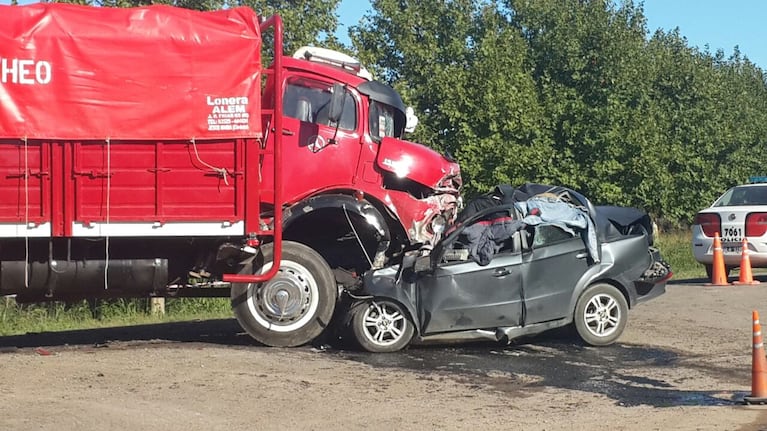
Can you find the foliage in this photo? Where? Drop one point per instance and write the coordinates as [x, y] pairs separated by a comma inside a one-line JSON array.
[[572, 92], [464, 69], [305, 22]]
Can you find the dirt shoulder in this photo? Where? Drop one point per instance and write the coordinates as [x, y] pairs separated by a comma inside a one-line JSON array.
[[187, 382]]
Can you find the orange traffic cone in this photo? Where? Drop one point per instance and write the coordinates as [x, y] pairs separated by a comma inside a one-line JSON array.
[[746, 276], [758, 367], [718, 276]]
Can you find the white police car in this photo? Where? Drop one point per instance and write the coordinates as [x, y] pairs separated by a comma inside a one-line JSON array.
[[740, 212]]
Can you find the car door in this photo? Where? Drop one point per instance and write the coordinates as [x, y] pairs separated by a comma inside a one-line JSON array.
[[464, 295], [552, 266]]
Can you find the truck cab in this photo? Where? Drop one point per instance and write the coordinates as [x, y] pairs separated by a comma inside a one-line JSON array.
[[354, 189]]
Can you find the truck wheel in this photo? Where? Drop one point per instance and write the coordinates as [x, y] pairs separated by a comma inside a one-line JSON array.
[[601, 314], [292, 308], [381, 326]]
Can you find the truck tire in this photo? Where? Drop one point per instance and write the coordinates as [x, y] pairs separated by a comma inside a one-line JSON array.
[[293, 307]]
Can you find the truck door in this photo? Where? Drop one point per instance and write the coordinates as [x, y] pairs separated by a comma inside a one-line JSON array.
[[315, 155]]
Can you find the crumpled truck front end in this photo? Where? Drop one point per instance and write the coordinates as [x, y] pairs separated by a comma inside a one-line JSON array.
[[423, 188]]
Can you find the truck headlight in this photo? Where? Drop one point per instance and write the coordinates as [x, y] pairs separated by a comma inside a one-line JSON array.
[[438, 224]]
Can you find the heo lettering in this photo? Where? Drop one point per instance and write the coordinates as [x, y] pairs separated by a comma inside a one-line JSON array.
[[24, 71]]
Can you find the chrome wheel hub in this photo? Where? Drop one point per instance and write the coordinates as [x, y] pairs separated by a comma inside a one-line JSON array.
[[284, 297], [287, 301]]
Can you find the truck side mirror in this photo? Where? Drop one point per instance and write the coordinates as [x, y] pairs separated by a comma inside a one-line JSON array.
[[411, 120], [337, 100]]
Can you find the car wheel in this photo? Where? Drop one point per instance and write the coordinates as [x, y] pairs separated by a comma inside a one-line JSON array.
[[381, 326], [600, 315], [710, 271], [294, 306]]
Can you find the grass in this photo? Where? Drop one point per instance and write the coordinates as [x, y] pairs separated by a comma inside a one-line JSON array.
[[676, 249], [57, 316]]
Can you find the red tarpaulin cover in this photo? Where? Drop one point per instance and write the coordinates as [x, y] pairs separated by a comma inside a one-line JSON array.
[[158, 72]]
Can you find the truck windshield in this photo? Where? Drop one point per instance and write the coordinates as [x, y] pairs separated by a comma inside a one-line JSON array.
[[381, 120], [309, 100]]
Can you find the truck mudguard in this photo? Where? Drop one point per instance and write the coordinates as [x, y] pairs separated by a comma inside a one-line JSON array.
[[362, 208], [77, 73]]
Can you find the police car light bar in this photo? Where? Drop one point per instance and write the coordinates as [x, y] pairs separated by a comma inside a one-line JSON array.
[[757, 179]]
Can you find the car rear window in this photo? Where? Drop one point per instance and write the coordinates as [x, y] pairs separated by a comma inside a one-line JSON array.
[[743, 195]]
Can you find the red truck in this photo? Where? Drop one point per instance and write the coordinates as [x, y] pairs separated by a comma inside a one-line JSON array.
[[148, 152]]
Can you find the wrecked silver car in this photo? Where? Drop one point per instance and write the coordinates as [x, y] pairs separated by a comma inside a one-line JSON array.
[[519, 261]]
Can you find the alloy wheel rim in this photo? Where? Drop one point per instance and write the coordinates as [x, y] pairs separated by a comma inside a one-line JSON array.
[[384, 324], [602, 315]]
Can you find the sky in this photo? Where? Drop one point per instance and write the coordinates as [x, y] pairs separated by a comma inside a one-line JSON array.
[[720, 24]]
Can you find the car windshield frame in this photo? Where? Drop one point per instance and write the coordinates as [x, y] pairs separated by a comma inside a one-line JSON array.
[[743, 195]]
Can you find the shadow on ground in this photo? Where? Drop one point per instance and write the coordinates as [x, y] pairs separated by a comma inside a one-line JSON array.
[[221, 331], [622, 372]]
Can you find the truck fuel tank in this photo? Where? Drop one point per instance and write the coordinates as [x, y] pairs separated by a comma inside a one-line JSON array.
[[59, 279]]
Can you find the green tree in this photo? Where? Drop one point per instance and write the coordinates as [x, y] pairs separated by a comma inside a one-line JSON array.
[[306, 22], [712, 112], [588, 63], [463, 68]]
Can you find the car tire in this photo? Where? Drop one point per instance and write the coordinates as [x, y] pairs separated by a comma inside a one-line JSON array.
[[600, 315], [710, 271], [294, 306], [381, 326]]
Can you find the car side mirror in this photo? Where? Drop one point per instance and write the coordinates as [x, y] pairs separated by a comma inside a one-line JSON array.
[[412, 263], [409, 259], [423, 263], [407, 264], [336, 108]]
